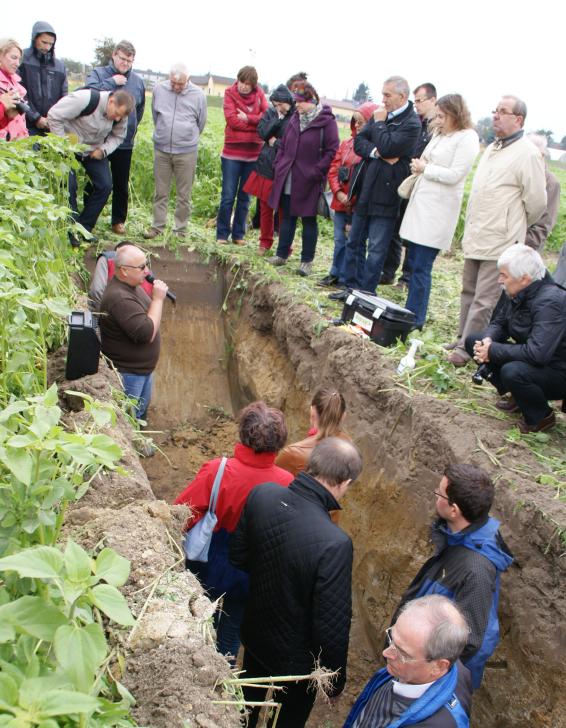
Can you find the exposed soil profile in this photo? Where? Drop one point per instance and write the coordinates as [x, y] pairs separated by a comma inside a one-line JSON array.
[[268, 346]]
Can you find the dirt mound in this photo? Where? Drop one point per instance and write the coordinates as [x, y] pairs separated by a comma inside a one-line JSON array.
[[172, 667]]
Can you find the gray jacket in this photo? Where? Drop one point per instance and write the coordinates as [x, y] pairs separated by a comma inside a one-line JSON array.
[[102, 79], [179, 118], [94, 130]]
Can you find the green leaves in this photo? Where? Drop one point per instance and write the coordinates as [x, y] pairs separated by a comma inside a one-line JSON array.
[[109, 600], [44, 562], [111, 567], [32, 616], [80, 651]]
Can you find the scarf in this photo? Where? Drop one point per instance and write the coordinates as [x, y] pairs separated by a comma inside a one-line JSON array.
[[305, 119]]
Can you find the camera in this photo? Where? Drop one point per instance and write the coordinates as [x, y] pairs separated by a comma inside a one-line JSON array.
[[481, 373], [344, 174], [22, 107]]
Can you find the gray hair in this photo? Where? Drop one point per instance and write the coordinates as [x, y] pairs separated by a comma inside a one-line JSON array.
[[179, 71], [400, 84], [521, 260], [519, 106], [540, 142], [449, 631], [335, 460], [124, 255]]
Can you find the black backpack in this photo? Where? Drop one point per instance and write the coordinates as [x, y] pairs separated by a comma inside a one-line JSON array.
[[92, 105]]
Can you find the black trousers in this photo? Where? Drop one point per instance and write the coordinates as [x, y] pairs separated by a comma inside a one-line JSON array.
[[96, 191], [120, 163], [296, 700], [530, 386], [396, 248]]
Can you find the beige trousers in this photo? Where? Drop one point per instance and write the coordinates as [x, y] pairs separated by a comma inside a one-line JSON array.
[[182, 168], [480, 293]]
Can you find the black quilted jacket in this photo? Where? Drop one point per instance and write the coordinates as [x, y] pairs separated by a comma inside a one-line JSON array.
[[300, 566]]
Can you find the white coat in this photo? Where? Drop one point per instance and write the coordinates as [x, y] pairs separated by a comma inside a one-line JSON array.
[[434, 206]]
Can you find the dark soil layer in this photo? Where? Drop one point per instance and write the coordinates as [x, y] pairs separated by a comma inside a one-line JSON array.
[[406, 441], [271, 347]]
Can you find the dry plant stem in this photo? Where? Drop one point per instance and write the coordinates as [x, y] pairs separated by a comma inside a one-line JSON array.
[[150, 596]]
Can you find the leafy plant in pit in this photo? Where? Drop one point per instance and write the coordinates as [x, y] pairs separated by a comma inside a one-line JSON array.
[[43, 467], [53, 650]]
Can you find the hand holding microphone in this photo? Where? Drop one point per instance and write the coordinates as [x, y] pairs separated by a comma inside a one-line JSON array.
[[170, 295]]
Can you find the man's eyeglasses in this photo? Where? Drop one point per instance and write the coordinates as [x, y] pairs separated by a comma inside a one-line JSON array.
[[441, 496], [401, 656], [142, 266], [129, 61], [420, 101], [504, 112]]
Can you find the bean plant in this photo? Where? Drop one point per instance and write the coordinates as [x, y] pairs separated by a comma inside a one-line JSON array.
[[56, 603]]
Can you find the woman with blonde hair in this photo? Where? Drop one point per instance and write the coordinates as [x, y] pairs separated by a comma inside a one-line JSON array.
[[326, 414], [10, 59], [432, 214]]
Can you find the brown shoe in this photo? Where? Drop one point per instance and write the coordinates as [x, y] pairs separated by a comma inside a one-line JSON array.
[[541, 426], [458, 360], [239, 242], [451, 346], [151, 233], [221, 241], [507, 404], [119, 228], [262, 251]]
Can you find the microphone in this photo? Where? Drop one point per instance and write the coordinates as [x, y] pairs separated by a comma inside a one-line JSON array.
[[170, 295]]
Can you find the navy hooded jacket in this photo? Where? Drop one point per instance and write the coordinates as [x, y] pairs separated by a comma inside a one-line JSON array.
[[101, 79], [43, 76], [466, 568]]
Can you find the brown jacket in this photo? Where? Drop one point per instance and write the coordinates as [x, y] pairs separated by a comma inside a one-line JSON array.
[[295, 457]]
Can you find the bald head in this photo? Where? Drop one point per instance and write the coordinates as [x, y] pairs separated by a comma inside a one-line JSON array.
[[334, 461], [440, 625], [131, 265]]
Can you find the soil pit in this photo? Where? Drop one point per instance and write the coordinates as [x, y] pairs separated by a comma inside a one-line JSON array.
[[224, 347]]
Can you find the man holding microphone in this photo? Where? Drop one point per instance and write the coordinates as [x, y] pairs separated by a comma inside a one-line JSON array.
[[129, 325]]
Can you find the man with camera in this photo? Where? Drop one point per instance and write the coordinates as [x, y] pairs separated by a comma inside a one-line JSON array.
[[523, 350], [44, 77], [98, 119]]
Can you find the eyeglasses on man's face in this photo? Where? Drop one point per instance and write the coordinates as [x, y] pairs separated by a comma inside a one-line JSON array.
[[399, 654], [124, 59], [439, 495], [503, 112], [142, 266], [420, 101]]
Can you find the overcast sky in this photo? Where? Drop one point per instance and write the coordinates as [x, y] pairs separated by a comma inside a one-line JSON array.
[[479, 49]]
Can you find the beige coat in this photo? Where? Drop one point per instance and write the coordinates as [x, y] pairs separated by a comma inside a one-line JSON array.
[[508, 194], [434, 206]]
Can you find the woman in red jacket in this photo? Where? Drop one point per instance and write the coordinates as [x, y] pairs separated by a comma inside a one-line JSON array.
[[262, 434], [339, 178], [244, 105], [10, 59]]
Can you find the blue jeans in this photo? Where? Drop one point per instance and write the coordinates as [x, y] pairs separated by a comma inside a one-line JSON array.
[[234, 177], [421, 259], [341, 219], [380, 232], [355, 252], [287, 227], [227, 624], [138, 387], [96, 191]]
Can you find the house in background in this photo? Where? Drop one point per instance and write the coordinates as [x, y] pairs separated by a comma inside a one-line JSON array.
[[213, 85], [342, 110]]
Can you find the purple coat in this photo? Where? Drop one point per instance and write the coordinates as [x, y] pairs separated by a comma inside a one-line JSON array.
[[301, 153]]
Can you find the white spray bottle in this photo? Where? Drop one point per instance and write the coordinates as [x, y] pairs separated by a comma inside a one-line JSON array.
[[408, 361]]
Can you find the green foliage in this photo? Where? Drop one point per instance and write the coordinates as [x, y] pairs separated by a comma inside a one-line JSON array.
[[103, 51], [53, 603]]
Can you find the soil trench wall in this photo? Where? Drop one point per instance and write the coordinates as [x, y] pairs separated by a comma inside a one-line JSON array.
[[280, 355]]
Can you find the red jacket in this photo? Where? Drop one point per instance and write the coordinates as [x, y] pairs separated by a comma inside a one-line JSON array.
[[346, 157], [4, 120], [242, 473], [241, 140], [15, 127]]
